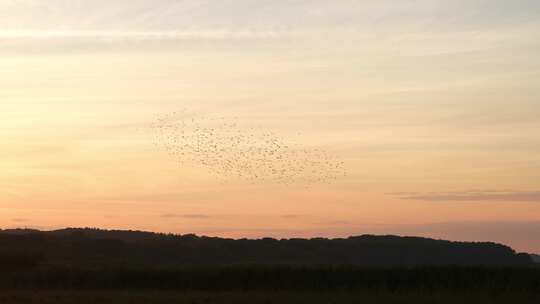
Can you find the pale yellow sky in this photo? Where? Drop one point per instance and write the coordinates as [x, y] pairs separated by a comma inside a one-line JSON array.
[[433, 106]]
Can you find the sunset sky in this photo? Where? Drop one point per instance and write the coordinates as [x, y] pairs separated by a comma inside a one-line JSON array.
[[432, 105]]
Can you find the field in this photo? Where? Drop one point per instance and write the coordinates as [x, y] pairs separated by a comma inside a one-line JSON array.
[[273, 285], [266, 297]]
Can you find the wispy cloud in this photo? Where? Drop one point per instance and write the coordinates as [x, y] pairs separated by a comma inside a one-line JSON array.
[[88, 40], [472, 196], [87, 25], [19, 220], [290, 216], [186, 216], [140, 35]]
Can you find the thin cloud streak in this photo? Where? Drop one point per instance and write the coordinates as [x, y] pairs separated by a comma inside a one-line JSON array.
[[471, 196], [19, 220], [162, 35], [186, 216]]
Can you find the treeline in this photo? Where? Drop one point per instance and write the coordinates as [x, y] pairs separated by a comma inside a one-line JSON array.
[[273, 278], [86, 248]]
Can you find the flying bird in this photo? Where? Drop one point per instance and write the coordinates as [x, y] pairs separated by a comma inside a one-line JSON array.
[[228, 151]]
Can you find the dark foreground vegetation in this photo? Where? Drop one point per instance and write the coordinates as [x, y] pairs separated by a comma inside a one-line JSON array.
[[273, 278], [96, 266], [273, 284], [257, 297]]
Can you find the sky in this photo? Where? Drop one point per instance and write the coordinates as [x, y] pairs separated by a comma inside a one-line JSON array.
[[433, 106]]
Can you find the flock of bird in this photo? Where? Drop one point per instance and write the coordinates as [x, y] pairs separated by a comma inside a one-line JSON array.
[[228, 150]]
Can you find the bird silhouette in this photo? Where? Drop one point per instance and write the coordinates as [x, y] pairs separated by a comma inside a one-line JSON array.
[[227, 150]]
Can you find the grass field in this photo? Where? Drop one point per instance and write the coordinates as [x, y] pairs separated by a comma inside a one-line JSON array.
[[271, 284], [135, 297]]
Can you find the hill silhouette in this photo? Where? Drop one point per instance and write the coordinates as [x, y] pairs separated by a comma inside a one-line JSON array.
[[94, 247]]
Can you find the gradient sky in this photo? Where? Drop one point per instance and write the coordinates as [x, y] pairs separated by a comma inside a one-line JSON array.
[[433, 106]]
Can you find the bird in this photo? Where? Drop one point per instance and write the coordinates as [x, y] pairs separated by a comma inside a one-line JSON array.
[[228, 150]]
